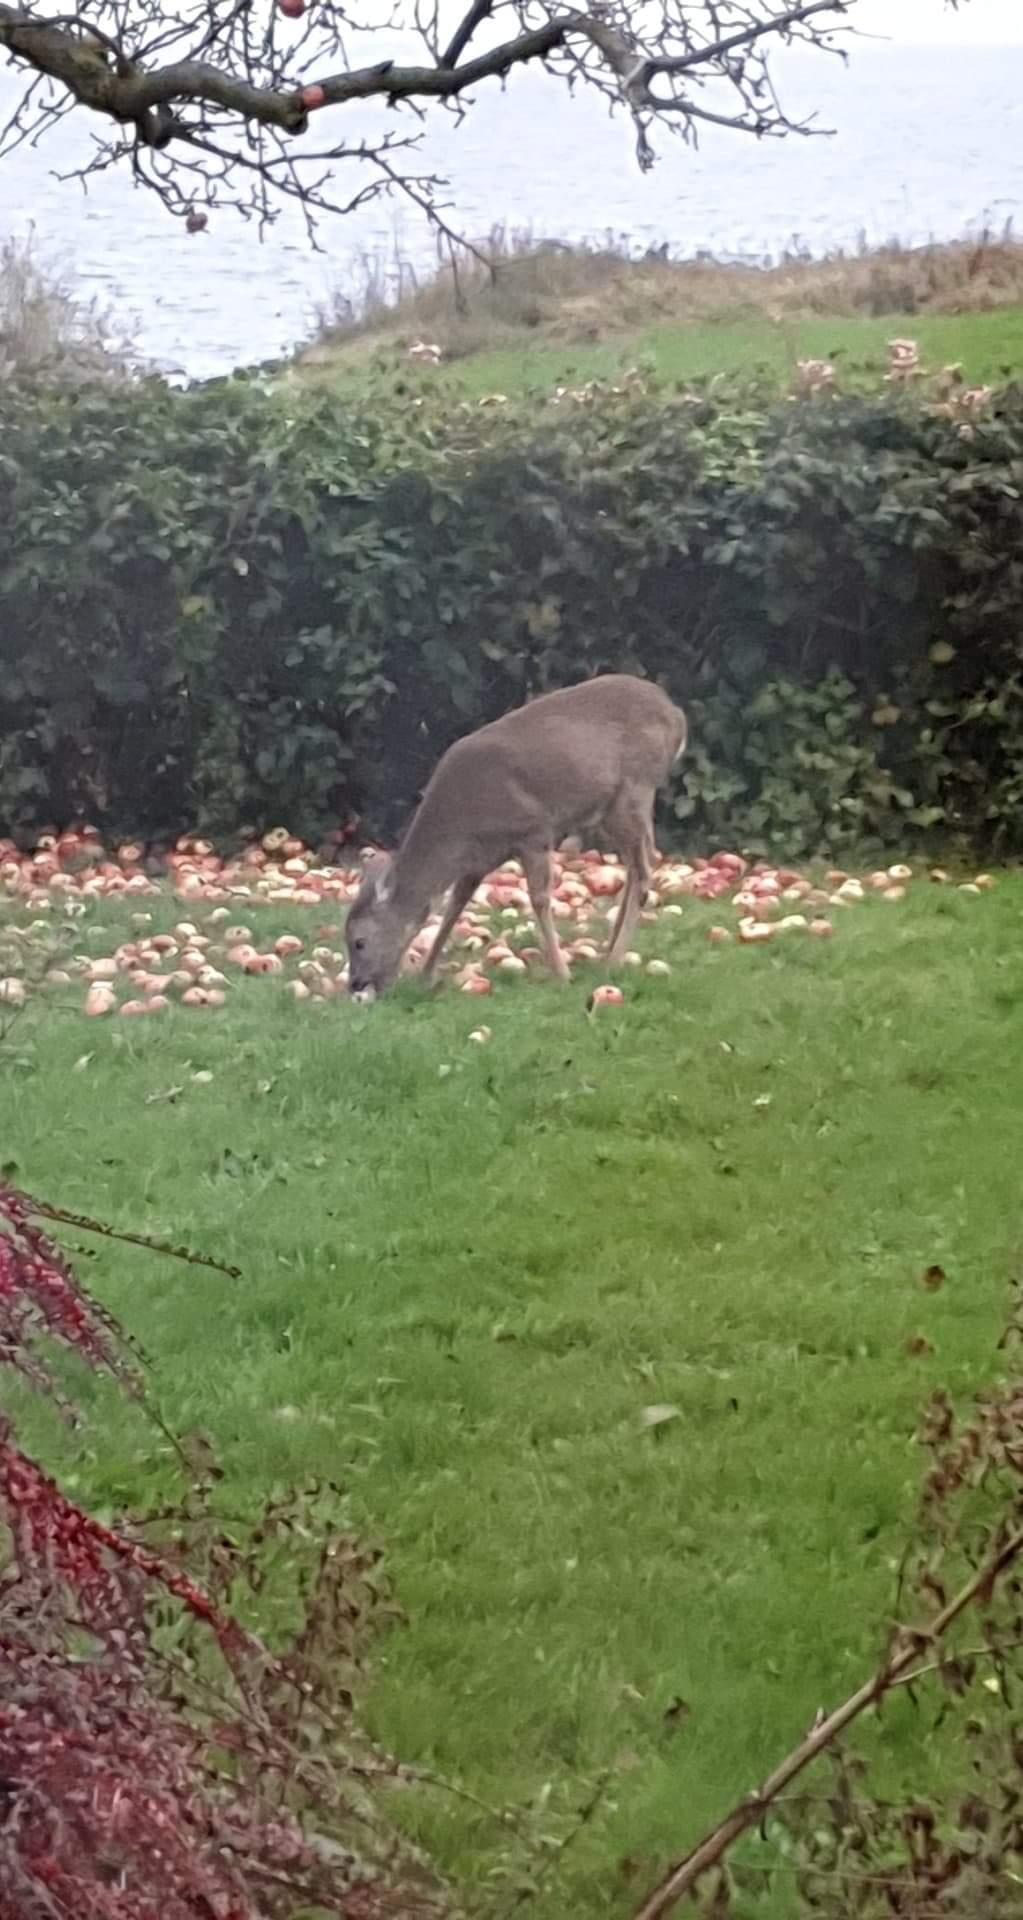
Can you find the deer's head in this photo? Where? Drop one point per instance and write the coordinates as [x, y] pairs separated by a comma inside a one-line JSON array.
[[377, 932]]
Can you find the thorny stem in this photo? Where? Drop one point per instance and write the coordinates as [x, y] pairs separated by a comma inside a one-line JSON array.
[[82, 1224], [896, 1670]]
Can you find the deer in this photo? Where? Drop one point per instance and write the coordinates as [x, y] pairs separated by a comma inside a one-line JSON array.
[[584, 760]]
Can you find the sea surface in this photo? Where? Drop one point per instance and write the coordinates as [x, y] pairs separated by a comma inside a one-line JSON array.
[[928, 143]]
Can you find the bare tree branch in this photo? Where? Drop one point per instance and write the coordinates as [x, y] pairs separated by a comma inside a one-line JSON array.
[[478, 12], [212, 87]]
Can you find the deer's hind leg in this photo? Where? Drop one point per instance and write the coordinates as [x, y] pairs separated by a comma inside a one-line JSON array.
[[630, 824], [537, 869]]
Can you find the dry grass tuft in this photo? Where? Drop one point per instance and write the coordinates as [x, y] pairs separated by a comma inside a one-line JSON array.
[[45, 327], [515, 289]]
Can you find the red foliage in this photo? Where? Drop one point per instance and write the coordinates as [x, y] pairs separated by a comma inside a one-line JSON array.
[[40, 1295], [157, 1761], [110, 1577]]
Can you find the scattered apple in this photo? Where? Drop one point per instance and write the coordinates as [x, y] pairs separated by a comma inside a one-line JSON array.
[[70, 873]]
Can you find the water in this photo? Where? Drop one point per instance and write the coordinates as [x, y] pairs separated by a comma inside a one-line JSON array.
[[929, 143]]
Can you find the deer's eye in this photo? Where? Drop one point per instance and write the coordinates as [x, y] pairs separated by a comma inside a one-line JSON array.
[[358, 945]]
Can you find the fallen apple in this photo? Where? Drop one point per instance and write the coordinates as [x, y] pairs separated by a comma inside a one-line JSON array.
[[605, 996]]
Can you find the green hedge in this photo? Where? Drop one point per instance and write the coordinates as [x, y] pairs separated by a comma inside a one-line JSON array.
[[227, 607]]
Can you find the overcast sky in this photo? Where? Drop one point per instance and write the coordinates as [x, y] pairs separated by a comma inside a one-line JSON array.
[[985, 22]]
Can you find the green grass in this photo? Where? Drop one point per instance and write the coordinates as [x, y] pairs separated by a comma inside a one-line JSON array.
[[989, 346], [469, 1269]]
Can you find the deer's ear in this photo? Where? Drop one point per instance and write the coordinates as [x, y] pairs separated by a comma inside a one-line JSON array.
[[382, 880]]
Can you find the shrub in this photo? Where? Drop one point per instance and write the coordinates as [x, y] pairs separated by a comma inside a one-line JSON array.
[[228, 606], [157, 1759]]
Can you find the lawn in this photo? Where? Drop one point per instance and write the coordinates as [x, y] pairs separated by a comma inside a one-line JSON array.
[[989, 346], [467, 1270]]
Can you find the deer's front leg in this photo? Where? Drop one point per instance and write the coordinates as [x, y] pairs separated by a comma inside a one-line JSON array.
[[458, 900], [537, 869]]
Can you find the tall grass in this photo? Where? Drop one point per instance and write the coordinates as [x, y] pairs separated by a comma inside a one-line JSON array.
[[46, 325]]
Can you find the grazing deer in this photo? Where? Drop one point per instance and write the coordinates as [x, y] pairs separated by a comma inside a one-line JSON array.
[[586, 760]]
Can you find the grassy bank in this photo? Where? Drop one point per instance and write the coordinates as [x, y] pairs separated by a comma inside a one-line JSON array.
[[537, 315], [468, 1270]]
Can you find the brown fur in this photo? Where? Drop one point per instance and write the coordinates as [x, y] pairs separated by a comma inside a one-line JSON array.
[[586, 760]]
